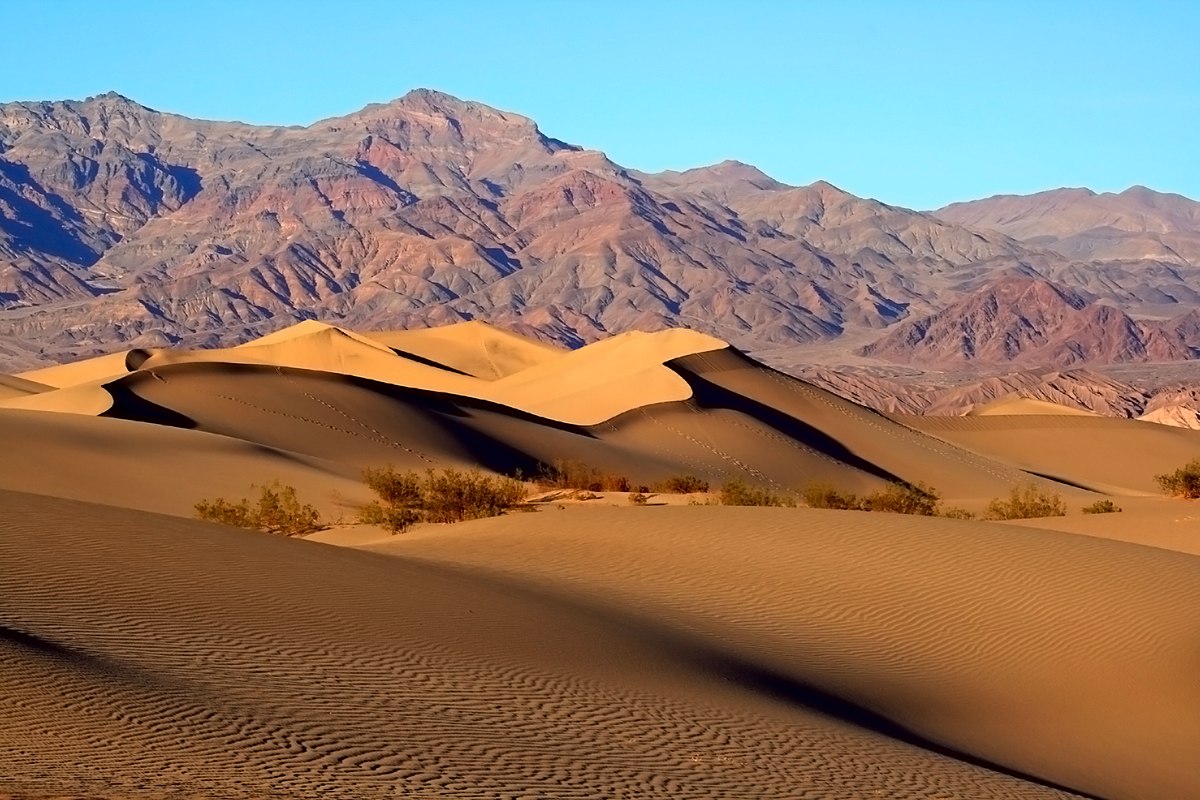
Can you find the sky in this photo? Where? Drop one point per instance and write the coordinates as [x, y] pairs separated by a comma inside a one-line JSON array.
[[914, 103]]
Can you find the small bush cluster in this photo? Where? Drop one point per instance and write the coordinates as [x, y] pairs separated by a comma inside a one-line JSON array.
[[682, 484], [1183, 482], [1027, 502], [739, 493], [822, 495], [577, 475], [277, 510], [638, 498], [955, 513], [897, 498], [449, 495], [1102, 507]]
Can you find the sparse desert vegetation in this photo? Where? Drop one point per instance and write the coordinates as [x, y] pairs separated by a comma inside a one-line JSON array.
[[740, 493], [897, 498], [570, 474], [1183, 482], [276, 510], [1102, 507], [1026, 501], [448, 495], [682, 484]]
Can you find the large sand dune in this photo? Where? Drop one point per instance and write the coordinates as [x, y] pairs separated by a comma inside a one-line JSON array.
[[588, 652], [741, 653]]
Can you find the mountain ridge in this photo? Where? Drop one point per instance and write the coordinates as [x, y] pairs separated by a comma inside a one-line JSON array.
[[121, 225]]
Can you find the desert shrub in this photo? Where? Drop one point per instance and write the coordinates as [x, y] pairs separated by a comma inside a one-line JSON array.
[[1102, 507], [1027, 502], [565, 474], [277, 510], [955, 513], [453, 496], [1183, 482], [822, 495], [449, 495], [682, 484], [396, 519], [739, 493], [638, 498], [902, 498]]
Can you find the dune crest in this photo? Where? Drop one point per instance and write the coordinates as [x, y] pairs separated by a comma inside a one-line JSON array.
[[1015, 404]]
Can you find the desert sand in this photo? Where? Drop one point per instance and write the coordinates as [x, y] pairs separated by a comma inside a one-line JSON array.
[[585, 650]]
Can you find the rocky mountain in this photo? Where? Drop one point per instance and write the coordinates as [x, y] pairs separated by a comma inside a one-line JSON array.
[[1021, 319], [1138, 224], [123, 226], [1170, 402]]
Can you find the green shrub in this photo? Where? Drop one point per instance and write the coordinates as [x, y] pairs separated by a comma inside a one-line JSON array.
[[1027, 502], [395, 519], [638, 498], [450, 495], [566, 474], [277, 510], [738, 493], [682, 484], [903, 498], [822, 495], [1102, 507], [1183, 482]]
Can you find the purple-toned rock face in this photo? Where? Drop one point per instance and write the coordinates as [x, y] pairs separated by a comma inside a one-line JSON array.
[[124, 227]]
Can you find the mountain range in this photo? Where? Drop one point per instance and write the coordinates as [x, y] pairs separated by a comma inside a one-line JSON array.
[[121, 226]]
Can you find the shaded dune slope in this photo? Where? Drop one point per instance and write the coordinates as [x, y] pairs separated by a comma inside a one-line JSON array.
[[156, 468], [291, 669], [1074, 663]]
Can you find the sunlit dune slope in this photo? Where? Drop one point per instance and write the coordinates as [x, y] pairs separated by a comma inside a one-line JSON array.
[[11, 387], [710, 655], [1015, 405], [77, 372], [1118, 456], [474, 348]]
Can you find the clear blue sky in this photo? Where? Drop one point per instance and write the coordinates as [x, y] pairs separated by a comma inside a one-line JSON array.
[[915, 103]]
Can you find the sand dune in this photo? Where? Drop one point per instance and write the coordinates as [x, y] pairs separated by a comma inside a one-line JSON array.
[[1014, 405], [155, 467], [11, 386], [1074, 663], [474, 348], [286, 668], [734, 652], [590, 652], [1115, 456], [77, 372]]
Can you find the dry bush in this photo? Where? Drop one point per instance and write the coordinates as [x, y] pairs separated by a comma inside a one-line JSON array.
[[1183, 482], [903, 498], [638, 498], [738, 493], [565, 474], [449, 495], [277, 510], [822, 495], [682, 484], [955, 513], [1102, 507], [1027, 502]]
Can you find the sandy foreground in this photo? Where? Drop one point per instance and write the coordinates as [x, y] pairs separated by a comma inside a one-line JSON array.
[[588, 649]]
